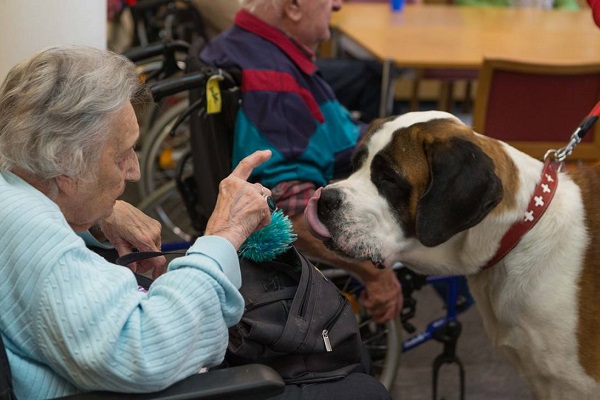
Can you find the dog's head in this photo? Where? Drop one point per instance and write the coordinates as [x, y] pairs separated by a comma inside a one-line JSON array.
[[419, 180]]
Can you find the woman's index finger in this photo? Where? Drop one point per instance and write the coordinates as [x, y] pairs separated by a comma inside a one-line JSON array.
[[247, 165]]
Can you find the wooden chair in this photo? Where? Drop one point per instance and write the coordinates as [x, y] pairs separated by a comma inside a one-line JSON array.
[[447, 79], [536, 107]]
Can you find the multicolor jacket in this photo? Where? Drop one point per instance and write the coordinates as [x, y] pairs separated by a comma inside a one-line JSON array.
[[286, 105]]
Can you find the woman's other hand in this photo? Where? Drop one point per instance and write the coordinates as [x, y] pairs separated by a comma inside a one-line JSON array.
[[128, 228]]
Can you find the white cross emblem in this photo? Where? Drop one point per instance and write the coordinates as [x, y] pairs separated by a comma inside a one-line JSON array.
[[529, 216], [539, 201], [545, 188], [549, 178]]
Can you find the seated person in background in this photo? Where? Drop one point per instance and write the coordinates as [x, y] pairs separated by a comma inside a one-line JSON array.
[[71, 321], [355, 82], [289, 108]]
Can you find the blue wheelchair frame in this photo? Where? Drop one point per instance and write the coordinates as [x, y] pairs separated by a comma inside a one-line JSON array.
[[445, 329]]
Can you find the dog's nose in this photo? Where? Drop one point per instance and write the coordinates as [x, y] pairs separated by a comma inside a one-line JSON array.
[[330, 200]]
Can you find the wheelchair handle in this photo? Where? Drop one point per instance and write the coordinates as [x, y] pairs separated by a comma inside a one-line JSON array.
[[156, 49], [171, 86]]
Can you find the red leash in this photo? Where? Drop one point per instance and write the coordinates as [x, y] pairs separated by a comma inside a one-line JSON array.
[[561, 154]]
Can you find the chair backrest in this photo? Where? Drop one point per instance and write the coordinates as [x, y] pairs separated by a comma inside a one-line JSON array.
[[536, 107], [212, 139]]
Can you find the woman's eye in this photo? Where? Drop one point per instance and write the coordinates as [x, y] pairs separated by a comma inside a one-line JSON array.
[[130, 154]]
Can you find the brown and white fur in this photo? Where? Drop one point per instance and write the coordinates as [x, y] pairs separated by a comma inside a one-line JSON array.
[[429, 192]]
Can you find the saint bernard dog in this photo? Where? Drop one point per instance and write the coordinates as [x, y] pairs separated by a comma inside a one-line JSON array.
[[429, 192]]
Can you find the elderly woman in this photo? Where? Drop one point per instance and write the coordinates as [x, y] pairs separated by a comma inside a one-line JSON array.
[[70, 320]]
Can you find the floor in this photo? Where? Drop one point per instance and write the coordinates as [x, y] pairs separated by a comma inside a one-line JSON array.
[[487, 375]]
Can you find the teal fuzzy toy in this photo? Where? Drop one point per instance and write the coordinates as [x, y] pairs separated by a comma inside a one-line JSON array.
[[270, 241]]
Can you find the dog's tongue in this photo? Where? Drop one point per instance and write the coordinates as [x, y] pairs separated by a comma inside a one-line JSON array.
[[315, 226]]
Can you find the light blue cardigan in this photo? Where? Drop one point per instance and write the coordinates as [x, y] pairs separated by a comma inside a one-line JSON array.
[[72, 321]]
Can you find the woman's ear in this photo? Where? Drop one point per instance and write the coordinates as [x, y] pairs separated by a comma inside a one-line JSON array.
[[66, 185]]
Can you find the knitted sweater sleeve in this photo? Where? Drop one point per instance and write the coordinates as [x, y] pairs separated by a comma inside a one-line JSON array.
[[96, 329], [86, 321]]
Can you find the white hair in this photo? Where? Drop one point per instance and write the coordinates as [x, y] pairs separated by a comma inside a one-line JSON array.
[[56, 107], [253, 5]]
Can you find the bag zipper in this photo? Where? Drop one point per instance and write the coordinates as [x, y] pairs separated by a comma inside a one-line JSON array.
[[331, 322], [325, 334]]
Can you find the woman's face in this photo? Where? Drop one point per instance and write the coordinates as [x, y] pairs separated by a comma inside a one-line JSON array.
[[118, 164]]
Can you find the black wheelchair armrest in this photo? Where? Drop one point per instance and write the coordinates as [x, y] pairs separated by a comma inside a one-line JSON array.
[[247, 382]]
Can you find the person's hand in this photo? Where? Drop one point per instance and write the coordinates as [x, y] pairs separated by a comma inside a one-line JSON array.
[[127, 228], [382, 296], [241, 206]]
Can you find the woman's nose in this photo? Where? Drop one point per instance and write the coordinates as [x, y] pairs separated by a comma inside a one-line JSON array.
[[132, 170]]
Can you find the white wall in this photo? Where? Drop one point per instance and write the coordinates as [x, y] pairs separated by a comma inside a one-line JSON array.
[[27, 26]]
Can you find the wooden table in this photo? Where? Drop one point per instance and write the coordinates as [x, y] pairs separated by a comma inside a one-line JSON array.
[[449, 36]]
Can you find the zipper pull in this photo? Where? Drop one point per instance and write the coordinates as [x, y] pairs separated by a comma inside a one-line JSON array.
[[325, 334]]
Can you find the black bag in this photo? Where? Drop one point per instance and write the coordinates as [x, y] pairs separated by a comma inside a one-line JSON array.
[[296, 321]]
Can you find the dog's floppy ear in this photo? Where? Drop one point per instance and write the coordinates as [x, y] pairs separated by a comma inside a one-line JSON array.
[[463, 188]]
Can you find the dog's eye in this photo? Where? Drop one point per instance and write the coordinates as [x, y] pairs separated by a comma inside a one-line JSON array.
[[393, 186], [381, 172], [388, 181], [359, 157]]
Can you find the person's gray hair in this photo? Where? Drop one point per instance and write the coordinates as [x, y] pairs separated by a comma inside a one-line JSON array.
[[56, 107], [253, 5]]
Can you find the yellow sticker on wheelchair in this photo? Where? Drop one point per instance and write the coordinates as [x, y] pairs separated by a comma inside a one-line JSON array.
[[213, 95]]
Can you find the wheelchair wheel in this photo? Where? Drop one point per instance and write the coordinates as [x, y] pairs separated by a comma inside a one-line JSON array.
[[161, 151], [383, 341]]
